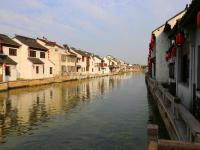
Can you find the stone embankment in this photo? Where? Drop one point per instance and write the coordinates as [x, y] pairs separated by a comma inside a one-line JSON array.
[[36, 82], [182, 126]]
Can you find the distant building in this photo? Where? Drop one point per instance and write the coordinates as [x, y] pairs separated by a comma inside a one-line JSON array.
[[82, 58]]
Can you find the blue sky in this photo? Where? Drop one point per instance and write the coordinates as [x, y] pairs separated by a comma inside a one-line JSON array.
[[118, 27]]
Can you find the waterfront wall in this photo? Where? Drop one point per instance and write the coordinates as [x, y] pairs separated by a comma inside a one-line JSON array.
[[36, 82], [160, 144], [180, 123]]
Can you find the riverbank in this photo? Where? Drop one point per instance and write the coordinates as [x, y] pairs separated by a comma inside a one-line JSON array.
[[36, 82]]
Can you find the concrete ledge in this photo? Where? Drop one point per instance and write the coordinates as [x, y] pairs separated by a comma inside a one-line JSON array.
[[36, 82], [3, 86], [17, 84], [177, 145]]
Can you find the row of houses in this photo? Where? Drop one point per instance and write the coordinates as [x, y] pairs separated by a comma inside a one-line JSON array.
[[28, 58], [174, 56]]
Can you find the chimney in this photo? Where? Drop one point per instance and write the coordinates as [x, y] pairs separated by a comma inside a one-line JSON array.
[[66, 47], [44, 38]]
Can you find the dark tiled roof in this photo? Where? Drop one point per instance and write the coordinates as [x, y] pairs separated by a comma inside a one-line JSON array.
[[50, 43], [4, 59], [191, 14], [31, 43], [35, 60], [4, 39], [98, 57], [81, 52], [71, 54], [189, 18]]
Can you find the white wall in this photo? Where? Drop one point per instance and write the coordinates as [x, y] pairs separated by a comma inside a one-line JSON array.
[[26, 69], [161, 46], [13, 68], [97, 66], [55, 57]]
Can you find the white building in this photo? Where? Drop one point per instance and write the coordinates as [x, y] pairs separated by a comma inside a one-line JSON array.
[[98, 64], [106, 69], [57, 54], [33, 61], [9, 54], [86, 63], [161, 46], [81, 60], [112, 64], [71, 62], [188, 58]]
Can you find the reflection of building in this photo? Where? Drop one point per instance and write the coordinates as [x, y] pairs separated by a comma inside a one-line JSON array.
[[28, 106]]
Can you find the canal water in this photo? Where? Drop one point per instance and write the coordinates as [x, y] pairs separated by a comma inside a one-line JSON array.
[[103, 114]]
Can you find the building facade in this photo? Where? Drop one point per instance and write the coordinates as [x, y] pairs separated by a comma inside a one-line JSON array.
[[9, 59], [33, 59]]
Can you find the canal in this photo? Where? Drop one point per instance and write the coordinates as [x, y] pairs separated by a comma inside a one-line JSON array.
[[103, 113]]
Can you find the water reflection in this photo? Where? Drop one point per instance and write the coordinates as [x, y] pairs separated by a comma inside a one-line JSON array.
[[22, 110]]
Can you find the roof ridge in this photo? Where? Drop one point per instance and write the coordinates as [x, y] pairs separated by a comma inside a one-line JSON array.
[[16, 35]]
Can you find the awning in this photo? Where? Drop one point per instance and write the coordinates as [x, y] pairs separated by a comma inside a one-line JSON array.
[[4, 59], [35, 60]]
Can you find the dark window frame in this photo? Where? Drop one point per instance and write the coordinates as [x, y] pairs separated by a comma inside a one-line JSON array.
[[50, 70], [7, 71], [1, 49], [12, 51], [185, 69], [172, 70], [32, 53], [42, 55], [37, 69]]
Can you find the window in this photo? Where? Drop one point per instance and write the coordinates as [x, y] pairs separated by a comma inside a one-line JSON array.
[[64, 69], [171, 70], [51, 94], [42, 54], [12, 52], [198, 70], [50, 70], [1, 49], [82, 58], [32, 53], [7, 71], [63, 57], [185, 69], [43, 69], [37, 69]]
